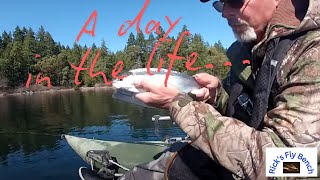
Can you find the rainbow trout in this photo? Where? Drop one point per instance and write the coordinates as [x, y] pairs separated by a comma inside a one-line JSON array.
[[126, 90]]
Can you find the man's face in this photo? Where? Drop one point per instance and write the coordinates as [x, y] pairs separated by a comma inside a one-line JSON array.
[[248, 18]]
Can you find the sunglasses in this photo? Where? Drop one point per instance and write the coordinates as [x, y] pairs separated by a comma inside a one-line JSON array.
[[218, 5]]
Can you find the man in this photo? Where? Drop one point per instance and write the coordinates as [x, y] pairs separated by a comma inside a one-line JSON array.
[[293, 115], [226, 119]]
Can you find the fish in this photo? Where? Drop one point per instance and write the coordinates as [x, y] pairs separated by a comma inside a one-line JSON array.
[[126, 91]]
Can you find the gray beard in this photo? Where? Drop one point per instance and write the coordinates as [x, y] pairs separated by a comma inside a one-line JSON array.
[[249, 35]]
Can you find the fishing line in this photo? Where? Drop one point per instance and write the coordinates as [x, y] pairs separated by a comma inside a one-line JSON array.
[[31, 133]]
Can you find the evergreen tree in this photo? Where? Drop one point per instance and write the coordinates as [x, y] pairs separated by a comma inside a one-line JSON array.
[[142, 55], [50, 45], [198, 46], [74, 57], [218, 45], [161, 34], [150, 43], [131, 40], [66, 77], [124, 56], [134, 56], [7, 38], [103, 61], [215, 56], [18, 34], [40, 38], [107, 60], [29, 50], [184, 50]]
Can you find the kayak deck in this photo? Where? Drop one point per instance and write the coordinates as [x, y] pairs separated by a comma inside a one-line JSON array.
[[127, 154]]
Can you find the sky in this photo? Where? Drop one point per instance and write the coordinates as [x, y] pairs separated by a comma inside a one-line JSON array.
[[64, 19]]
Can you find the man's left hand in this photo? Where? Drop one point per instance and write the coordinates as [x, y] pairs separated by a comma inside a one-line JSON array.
[[156, 95]]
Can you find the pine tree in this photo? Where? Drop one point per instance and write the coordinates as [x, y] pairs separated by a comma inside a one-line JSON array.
[[219, 47], [75, 56], [184, 50], [65, 77], [29, 50], [18, 34], [142, 55], [40, 38], [214, 55], [7, 44], [198, 46], [50, 45], [150, 43], [131, 40], [161, 34], [107, 61], [7, 38], [103, 61]]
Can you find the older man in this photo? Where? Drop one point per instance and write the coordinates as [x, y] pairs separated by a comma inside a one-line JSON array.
[[243, 117]]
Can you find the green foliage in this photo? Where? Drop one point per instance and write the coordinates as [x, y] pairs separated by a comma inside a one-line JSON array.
[[18, 50]]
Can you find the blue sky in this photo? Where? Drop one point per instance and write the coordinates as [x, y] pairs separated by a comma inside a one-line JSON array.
[[65, 18]]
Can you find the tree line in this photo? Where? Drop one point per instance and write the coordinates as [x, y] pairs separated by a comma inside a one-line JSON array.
[[24, 52]]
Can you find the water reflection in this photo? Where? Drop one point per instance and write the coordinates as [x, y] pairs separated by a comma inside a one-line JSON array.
[[31, 126]]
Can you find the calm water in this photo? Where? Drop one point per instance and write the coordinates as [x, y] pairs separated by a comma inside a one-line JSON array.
[[30, 129]]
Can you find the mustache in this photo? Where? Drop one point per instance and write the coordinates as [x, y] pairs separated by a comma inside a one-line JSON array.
[[236, 22]]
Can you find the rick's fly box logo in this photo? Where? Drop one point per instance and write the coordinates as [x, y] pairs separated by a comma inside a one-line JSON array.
[[291, 162]]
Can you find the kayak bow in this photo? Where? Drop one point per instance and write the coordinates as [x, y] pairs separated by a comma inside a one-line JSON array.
[[127, 154]]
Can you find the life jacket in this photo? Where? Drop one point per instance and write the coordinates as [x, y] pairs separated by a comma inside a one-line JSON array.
[[256, 104]]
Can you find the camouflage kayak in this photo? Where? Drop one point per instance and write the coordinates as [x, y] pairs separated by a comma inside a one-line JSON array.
[[127, 154]]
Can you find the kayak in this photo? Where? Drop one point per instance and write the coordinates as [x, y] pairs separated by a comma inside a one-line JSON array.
[[128, 154]]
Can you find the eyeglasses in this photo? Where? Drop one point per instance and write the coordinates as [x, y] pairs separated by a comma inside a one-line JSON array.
[[218, 5]]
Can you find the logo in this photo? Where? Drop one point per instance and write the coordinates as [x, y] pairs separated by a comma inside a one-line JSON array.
[[291, 162]]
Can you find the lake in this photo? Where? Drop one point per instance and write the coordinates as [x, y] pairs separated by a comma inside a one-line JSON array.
[[31, 126]]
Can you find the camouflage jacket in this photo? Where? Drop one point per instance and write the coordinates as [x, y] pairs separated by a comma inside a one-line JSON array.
[[293, 121]]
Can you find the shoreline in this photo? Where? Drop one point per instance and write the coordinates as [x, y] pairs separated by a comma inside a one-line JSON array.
[[18, 91]]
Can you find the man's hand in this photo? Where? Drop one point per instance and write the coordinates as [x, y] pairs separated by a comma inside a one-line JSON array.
[[156, 95], [210, 86]]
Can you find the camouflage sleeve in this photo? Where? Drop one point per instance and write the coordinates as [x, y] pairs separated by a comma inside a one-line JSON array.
[[242, 154], [295, 121]]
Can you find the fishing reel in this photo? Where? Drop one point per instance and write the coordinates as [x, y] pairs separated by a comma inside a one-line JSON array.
[[109, 169]]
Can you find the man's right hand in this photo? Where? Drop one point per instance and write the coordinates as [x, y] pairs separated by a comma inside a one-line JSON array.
[[210, 86]]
